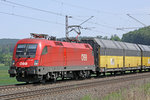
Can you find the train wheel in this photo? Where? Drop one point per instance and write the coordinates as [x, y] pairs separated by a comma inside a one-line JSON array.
[[76, 75], [62, 78], [88, 74], [98, 74], [55, 80], [27, 82], [104, 73]]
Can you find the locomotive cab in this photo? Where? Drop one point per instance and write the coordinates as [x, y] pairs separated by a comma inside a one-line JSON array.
[[26, 58]]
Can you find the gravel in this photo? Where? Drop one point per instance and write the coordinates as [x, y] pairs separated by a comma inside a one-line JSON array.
[[94, 92], [97, 92]]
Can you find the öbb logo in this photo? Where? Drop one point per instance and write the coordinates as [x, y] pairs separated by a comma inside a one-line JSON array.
[[83, 57], [23, 63]]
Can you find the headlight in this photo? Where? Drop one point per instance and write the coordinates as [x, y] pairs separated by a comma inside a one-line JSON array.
[[13, 62], [36, 62]]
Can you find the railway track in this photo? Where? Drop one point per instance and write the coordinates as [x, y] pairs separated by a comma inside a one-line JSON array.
[[24, 85], [13, 87], [6, 86], [68, 88]]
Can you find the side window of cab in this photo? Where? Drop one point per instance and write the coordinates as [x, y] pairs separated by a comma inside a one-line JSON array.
[[44, 50]]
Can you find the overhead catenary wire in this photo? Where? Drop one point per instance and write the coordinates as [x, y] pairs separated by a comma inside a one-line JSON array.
[[95, 10], [87, 20], [32, 18], [33, 8], [122, 28], [50, 12], [136, 20], [54, 13], [95, 23], [37, 19], [85, 8], [7, 4]]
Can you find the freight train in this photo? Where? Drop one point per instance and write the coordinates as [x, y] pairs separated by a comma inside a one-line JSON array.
[[41, 59]]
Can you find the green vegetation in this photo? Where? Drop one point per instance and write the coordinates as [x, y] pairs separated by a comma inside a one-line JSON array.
[[88, 97], [6, 50], [134, 93], [4, 76], [141, 36], [115, 38], [114, 96]]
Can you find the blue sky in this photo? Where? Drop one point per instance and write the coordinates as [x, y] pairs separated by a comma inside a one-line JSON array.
[[108, 15]]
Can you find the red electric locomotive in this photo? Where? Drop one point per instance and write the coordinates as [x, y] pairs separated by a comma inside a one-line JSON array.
[[39, 59]]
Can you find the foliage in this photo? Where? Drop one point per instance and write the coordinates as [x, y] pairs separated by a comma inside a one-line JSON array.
[[115, 38], [141, 36], [6, 50], [7, 58], [8, 41]]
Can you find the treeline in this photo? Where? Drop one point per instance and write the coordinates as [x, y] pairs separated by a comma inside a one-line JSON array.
[[140, 36], [6, 50]]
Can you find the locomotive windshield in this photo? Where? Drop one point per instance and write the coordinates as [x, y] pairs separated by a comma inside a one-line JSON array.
[[26, 50]]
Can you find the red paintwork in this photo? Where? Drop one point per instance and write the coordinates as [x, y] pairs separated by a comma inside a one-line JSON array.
[[67, 55]]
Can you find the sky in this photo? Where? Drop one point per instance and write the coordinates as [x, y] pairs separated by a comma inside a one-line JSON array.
[[19, 18]]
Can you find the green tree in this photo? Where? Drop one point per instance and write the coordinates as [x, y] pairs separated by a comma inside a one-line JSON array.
[[140, 36], [105, 38], [115, 38], [99, 36], [7, 58]]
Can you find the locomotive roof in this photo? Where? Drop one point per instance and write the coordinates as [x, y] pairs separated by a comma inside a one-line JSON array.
[[55, 43], [34, 40]]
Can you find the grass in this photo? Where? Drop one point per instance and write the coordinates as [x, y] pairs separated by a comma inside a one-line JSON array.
[[1, 65], [134, 93], [114, 96], [4, 76], [88, 97]]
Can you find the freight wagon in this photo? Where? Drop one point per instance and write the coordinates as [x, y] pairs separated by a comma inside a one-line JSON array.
[[114, 56]]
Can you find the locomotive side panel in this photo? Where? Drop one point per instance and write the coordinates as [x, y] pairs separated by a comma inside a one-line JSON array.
[[70, 56], [79, 57], [53, 56]]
